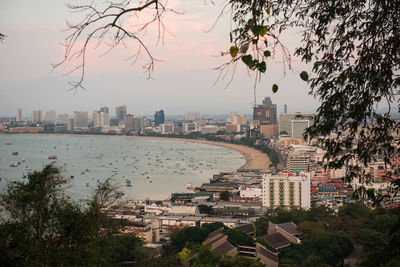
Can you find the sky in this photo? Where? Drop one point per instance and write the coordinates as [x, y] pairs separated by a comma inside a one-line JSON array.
[[183, 80]]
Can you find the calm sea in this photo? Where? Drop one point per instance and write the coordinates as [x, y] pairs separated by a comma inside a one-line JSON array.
[[144, 168]]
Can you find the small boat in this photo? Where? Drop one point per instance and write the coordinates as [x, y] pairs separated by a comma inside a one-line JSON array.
[[14, 165], [52, 157], [15, 153], [7, 143], [87, 184]]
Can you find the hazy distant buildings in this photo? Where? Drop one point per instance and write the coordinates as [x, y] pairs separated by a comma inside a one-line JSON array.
[[101, 119], [285, 121], [298, 128], [159, 117], [63, 117], [167, 128], [70, 125], [120, 113], [188, 127], [104, 109], [81, 120], [193, 116], [37, 116], [18, 116], [50, 116], [264, 115], [132, 123]]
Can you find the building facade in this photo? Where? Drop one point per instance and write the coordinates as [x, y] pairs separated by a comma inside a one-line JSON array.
[[265, 114], [286, 190], [37, 116], [159, 117], [285, 121], [81, 120], [18, 116], [120, 113]]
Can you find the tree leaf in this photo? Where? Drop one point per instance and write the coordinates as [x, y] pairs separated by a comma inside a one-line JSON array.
[[268, 11], [244, 48], [233, 51], [262, 67], [263, 30], [274, 88], [267, 53], [248, 60], [304, 76]]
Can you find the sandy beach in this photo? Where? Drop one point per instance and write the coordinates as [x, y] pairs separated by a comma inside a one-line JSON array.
[[255, 159]]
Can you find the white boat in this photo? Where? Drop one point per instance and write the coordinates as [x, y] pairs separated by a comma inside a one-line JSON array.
[[7, 143]]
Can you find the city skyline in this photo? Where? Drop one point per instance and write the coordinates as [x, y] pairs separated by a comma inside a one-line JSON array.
[[182, 81]]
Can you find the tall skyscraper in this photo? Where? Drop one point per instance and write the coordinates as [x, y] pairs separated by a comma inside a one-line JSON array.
[[50, 116], [37, 116], [120, 113], [193, 116], [101, 119], [81, 120], [285, 109], [159, 117], [285, 121], [96, 119], [104, 109], [265, 114], [18, 116]]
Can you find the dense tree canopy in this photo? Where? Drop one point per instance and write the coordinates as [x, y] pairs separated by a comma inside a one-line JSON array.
[[41, 226]]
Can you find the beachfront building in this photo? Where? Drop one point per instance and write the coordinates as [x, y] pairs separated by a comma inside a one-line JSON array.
[[51, 116], [286, 190], [81, 120]]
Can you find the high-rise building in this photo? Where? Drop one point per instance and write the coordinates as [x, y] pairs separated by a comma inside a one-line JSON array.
[[96, 119], [50, 116], [18, 116], [104, 109], [159, 117], [285, 109], [299, 127], [63, 117], [286, 191], [37, 116], [81, 120], [285, 121], [193, 116], [120, 113], [132, 123], [70, 125], [265, 114], [101, 119]]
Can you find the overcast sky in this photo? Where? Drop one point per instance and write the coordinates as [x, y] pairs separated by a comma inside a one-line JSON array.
[[182, 81]]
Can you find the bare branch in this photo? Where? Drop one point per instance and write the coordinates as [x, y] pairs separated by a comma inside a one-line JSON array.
[[107, 26]]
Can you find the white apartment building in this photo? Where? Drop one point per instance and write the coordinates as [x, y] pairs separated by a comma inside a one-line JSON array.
[[81, 120], [37, 116], [18, 116], [286, 191]]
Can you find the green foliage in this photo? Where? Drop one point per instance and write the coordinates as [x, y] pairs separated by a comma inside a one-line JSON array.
[[274, 88], [42, 226], [190, 236], [266, 244], [238, 238], [261, 226], [225, 195], [350, 45], [322, 249], [205, 209]]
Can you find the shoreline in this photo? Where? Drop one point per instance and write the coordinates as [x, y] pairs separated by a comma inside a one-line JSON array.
[[255, 159]]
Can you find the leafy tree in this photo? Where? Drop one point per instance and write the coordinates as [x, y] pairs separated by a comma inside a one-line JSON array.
[[205, 209], [330, 249], [261, 226], [225, 195], [238, 238], [350, 45], [42, 227]]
